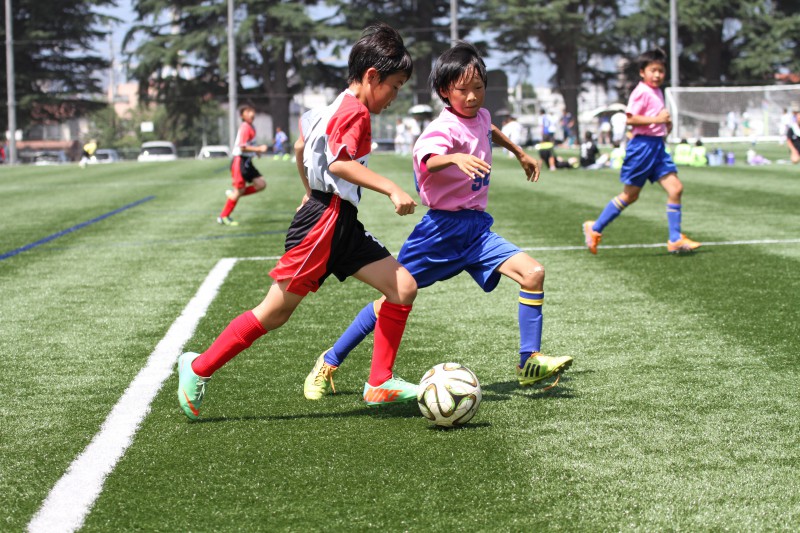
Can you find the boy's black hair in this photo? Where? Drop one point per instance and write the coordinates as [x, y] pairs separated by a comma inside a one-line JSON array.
[[244, 108], [453, 64], [381, 47], [656, 55]]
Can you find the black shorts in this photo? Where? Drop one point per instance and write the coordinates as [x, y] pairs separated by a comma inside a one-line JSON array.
[[795, 142], [243, 171], [324, 238]]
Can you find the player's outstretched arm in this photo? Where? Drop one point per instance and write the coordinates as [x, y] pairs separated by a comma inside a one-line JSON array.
[[529, 164], [354, 172]]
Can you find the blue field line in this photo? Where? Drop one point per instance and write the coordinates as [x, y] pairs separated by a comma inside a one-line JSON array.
[[49, 238]]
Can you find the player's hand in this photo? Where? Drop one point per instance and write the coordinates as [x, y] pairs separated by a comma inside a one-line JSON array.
[[664, 116], [302, 202], [403, 203], [530, 166], [472, 166]]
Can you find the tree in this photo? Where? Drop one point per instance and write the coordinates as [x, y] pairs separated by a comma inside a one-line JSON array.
[[720, 42], [56, 61], [424, 25], [573, 34], [182, 58]]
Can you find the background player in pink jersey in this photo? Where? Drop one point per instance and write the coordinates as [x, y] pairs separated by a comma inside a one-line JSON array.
[[245, 176], [646, 158], [452, 169], [325, 236]]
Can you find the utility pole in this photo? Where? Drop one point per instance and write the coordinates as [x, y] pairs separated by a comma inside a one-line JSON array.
[[453, 21], [12, 102], [673, 44], [232, 85]]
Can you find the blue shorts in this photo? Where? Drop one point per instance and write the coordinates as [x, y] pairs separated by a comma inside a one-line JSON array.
[[446, 243], [646, 158]]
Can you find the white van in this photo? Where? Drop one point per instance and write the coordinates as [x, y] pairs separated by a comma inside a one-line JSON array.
[[158, 151]]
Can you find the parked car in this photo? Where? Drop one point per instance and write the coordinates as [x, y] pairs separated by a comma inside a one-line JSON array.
[[212, 151], [158, 151], [105, 155], [50, 157]]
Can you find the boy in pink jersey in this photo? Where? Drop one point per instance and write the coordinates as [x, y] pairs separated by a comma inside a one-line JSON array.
[[646, 158], [452, 164], [245, 177], [325, 236]]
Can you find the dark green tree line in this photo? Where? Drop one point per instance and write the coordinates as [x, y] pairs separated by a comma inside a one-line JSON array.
[[56, 59]]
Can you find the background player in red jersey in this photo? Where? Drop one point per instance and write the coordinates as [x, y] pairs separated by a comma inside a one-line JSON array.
[[245, 176]]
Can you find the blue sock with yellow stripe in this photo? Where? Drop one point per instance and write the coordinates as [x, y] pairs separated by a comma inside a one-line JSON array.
[[612, 211], [530, 323], [674, 221], [362, 325]]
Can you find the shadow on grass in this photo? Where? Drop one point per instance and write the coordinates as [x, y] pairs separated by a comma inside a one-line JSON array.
[[400, 410], [504, 390], [466, 427]]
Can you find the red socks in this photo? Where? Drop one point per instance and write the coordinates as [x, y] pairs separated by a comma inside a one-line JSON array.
[[237, 337], [388, 333], [231, 204], [228, 209]]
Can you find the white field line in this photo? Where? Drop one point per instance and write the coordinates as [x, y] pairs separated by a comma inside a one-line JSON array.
[[70, 500], [656, 245]]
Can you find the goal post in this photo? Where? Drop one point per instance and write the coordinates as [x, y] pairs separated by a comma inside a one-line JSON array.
[[730, 114]]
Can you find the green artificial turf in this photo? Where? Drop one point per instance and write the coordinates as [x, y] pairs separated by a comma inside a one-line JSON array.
[[680, 412]]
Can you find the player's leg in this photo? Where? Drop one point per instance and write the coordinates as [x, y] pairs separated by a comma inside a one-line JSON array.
[[677, 242], [398, 286], [593, 229], [258, 184], [794, 150], [320, 379], [239, 185], [641, 155], [195, 370], [533, 365]]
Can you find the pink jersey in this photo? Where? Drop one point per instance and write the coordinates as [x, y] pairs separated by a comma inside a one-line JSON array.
[[646, 101], [450, 189]]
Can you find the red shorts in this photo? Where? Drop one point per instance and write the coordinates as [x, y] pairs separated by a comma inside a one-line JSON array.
[[324, 238]]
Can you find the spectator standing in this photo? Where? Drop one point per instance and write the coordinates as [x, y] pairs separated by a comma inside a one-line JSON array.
[[281, 146]]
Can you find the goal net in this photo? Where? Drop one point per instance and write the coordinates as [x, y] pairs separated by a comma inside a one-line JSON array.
[[730, 114]]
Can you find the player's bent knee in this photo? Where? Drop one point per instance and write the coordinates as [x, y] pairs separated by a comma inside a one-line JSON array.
[[533, 278]]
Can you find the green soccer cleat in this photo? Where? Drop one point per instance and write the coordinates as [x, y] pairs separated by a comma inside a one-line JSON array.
[[316, 384], [191, 387], [226, 221], [393, 390], [539, 367]]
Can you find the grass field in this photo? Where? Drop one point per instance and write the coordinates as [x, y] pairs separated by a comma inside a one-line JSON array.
[[681, 412]]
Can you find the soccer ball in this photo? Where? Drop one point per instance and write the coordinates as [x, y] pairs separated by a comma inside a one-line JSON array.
[[449, 395]]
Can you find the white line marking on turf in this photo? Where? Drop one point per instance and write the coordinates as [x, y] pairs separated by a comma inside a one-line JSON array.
[[70, 500], [655, 245]]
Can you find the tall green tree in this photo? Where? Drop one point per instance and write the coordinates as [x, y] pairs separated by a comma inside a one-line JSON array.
[[424, 25], [573, 34], [56, 58], [181, 59], [720, 42]]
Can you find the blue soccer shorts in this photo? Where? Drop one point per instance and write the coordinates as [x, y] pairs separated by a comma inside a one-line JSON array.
[[646, 159], [446, 243]]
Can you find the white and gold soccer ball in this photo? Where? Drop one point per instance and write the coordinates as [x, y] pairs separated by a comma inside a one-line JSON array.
[[449, 394]]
